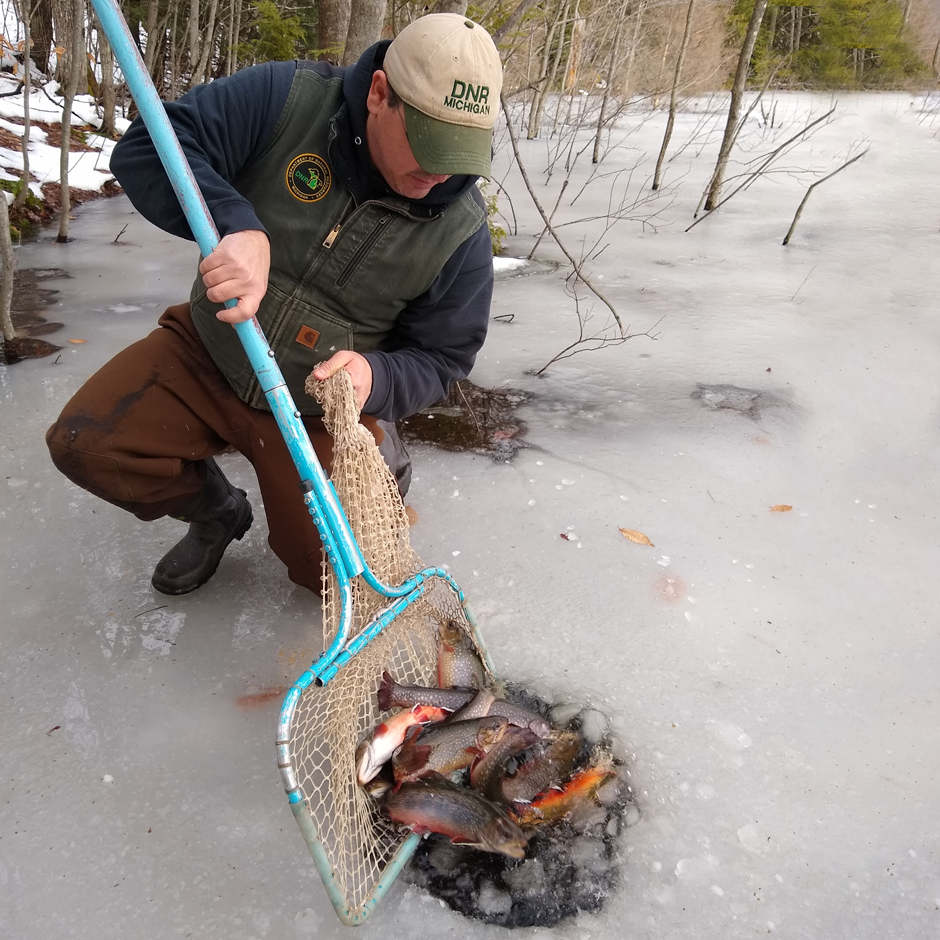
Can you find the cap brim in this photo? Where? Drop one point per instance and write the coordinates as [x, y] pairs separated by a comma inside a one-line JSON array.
[[451, 149]]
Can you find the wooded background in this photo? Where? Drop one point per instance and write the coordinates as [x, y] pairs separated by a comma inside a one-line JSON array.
[[591, 59], [617, 47]]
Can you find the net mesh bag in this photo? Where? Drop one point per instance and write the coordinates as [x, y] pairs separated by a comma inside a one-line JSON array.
[[330, 721]]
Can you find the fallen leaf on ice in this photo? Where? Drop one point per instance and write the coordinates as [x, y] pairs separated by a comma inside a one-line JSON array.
[[411, 514], [635, 536], [77, 342], [780, 507]]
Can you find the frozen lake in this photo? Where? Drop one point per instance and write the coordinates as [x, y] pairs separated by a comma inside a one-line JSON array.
[[771, 676]]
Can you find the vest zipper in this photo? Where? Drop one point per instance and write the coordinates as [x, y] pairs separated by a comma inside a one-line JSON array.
[[328, 241], [348, 209], [334, 232], [362, 250]]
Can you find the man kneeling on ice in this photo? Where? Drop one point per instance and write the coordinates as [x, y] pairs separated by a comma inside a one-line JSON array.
[[352, 227]]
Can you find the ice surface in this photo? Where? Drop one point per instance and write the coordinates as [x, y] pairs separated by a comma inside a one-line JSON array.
[[784, 723]]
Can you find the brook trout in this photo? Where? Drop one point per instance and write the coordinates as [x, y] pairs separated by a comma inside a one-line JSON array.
[[376, 749], [434, 804], [458, 665], [445, 748], [545, 769], [477, 707], [487, 774], [556, 803], [521, 717], [392, 695]]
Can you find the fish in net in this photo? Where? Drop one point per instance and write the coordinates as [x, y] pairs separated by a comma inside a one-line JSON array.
[[328, 722]]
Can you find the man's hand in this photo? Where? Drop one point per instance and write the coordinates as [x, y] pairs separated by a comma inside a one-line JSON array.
[[358, 368], [238, 268]]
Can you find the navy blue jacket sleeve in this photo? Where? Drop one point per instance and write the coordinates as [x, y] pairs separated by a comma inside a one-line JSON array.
[[438, 335], [222, 127]]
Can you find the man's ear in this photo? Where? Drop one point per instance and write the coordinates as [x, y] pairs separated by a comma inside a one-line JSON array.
[[378, 92]]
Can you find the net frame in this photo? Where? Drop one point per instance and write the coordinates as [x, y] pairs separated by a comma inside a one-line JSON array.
[[357, 851]]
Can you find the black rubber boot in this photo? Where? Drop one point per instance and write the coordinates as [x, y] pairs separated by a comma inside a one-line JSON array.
[[220, 514]]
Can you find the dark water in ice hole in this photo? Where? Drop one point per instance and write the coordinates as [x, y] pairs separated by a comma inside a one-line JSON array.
[[471, 418], [571, 866]]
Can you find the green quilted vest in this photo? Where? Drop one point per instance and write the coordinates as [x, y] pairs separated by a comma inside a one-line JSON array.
[[341, 272]]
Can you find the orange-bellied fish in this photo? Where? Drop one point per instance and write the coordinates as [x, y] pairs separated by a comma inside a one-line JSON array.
[[556, 803], [551, 764]]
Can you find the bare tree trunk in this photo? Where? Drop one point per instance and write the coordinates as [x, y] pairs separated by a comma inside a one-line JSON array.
[[208, 45], [936, 59], [640, 11], [676, 79], [611, 65], [77, 66], [150, 24], [40, 25], [192, 30], [574, 49], [535, 111], [61, 20], [7, 276], [334, 25], [366, 19], [734, 110], [108, 128], [175, 54], [552, 72], [513, 21], [443, 6], [236, 33], [24, 13], [230, 40]]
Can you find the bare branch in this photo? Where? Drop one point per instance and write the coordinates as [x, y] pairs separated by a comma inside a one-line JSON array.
[[799, 211], [765, 163], [548, 225]]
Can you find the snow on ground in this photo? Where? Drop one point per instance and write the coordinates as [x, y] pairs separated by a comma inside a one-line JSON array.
[[771, 676], [87, 169]]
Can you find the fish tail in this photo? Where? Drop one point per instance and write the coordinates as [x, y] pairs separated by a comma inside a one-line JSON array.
[[385, 692]]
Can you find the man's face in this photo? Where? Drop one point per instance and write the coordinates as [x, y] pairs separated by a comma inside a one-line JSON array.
[[389, 147]]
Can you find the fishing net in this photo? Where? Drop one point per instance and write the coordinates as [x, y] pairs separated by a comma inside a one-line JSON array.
[[330, 721]]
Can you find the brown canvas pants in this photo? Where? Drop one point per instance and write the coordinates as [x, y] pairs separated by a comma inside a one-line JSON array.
[[136, 432]]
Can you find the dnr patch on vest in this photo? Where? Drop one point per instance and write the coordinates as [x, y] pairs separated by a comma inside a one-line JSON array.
[[309, 177]]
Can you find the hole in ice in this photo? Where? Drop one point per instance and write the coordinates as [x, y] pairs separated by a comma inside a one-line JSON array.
[[570, 866], [471, 418]]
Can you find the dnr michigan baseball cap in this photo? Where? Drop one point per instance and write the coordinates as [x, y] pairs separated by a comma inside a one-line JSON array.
[[446, 70]]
